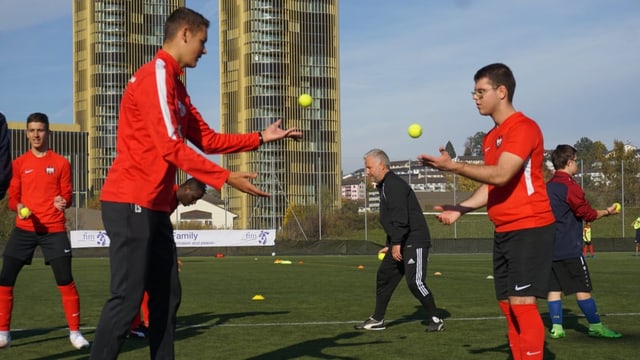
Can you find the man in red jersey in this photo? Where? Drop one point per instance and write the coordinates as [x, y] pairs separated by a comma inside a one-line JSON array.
[[514, 192], [40, 191], [156, 120]]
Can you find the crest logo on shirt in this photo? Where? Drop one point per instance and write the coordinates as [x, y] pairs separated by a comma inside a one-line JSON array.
[[182, 108], [50, 170], [499, 141]]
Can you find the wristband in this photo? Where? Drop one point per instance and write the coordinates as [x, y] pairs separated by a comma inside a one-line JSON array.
[[260, 137]]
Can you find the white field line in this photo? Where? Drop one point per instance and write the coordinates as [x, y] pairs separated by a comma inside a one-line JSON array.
[[316, 323]]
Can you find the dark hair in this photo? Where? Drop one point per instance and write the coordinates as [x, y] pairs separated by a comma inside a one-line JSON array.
[[184, 16], [195, 185], [500, 75], [39, 117], [561, 155]]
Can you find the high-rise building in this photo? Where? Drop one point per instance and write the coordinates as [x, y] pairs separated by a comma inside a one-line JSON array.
[[111, 40], [272, 51]]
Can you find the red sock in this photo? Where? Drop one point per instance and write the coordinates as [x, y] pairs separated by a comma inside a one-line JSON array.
[[531, 331], [144, 308], [513, 333], [71, 305], [6, 306], [136, 321]]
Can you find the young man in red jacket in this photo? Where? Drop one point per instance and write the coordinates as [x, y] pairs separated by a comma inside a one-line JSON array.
[[155, 123], [39, 192]]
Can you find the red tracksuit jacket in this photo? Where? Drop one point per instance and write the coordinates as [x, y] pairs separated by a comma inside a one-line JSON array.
[[156, 120]]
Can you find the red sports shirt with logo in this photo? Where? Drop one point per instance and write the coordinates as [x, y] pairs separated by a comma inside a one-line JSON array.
[[522, 203], [156, 119], [35, 183]]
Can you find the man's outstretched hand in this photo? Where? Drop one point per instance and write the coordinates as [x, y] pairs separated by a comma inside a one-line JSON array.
[[241, 181], [274, 132]]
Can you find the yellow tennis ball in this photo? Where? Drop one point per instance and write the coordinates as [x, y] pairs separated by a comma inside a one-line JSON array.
[[415, 130], [305, 100], [25, 212], [617, 206], [381, 256]]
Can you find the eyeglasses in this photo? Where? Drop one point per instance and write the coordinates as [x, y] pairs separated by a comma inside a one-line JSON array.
[[479, 93]]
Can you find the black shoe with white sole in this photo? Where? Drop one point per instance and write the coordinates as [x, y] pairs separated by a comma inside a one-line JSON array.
[[371, 324]]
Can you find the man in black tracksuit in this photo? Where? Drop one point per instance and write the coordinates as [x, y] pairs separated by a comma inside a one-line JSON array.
[[408, 239]]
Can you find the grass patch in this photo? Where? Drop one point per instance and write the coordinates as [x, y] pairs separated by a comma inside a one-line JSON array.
[[310, 309]]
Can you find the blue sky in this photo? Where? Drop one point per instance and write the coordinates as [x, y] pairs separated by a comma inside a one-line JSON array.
[[576, 62]]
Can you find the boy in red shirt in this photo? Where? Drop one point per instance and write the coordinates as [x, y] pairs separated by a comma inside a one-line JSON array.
[[514, 192], [39, 192]]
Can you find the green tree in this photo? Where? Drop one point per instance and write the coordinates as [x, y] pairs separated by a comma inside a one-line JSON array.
[[461, 183], [473, 145], [590, 154], [94, 202], [612, 166], [589, 151]]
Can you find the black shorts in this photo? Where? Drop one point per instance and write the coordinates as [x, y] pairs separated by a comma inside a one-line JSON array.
[[522, 262], [570, 276], [22, 244]]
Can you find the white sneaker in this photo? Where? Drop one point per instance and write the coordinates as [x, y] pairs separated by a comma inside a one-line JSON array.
[[77, 340], [5, 339]]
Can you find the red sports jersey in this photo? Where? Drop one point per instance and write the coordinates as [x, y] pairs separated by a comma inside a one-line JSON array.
[[156, 120], [35, 183], [523, 202]]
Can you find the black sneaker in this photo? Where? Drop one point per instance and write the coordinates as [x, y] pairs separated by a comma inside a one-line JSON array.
[[371, 324], [435, 324]]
